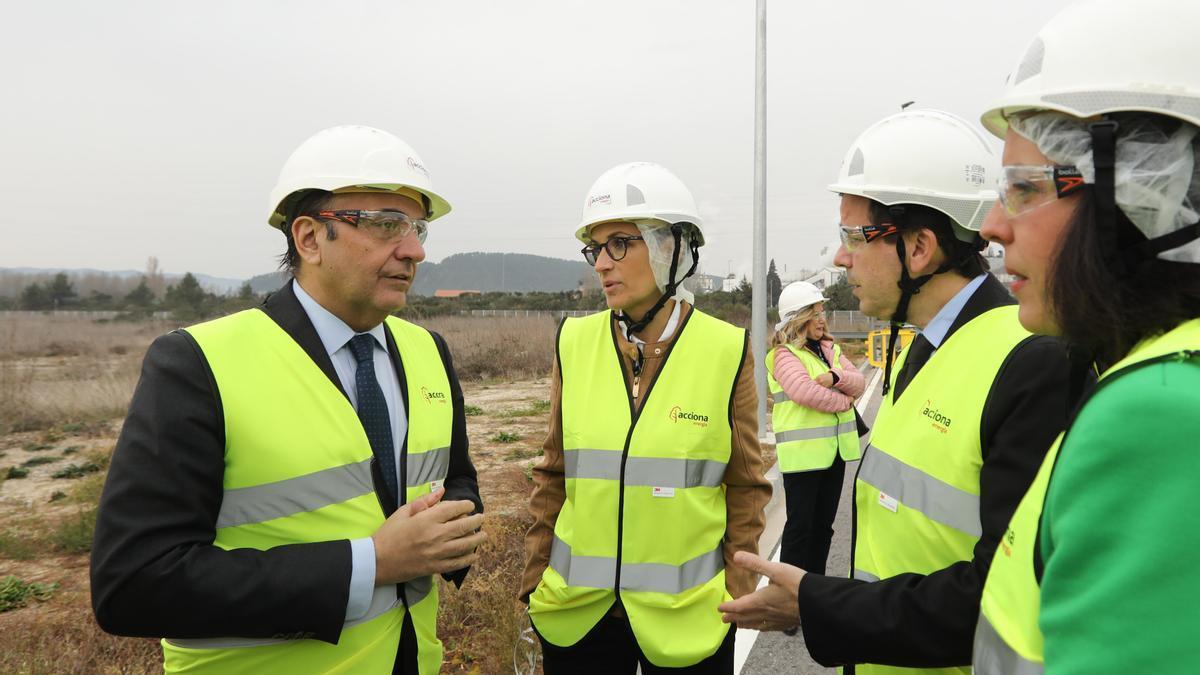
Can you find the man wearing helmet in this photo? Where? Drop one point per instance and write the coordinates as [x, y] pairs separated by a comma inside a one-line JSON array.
[[956, 439], [651, 476], [290, 478]]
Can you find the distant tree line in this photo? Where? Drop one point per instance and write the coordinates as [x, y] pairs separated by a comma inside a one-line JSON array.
[[186, 299]]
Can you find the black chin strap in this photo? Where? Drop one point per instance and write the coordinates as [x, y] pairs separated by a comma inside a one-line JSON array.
[[908, 288], [633, 326], [1123, 261], [1104, 157]]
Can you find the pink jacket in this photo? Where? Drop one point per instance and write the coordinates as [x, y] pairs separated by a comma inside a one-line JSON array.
[[793, 378]]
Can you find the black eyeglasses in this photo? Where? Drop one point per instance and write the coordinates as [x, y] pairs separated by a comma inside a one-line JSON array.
[[386, 226], [616, 247]]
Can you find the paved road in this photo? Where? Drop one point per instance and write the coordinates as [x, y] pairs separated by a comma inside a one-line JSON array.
[[774, 653]]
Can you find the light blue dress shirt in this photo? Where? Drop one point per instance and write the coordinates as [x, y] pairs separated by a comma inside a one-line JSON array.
[[936, 331], [334, 335]]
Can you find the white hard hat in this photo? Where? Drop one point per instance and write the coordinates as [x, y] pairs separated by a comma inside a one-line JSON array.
[[925, 157], [639, 191], [1108, 56], [348, 157], [796, 296]]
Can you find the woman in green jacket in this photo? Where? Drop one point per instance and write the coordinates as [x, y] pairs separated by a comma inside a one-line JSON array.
[[1099, 219]]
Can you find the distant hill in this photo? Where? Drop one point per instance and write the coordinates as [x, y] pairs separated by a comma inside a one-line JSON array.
[[479, 272], [462, 271], [500, 272]]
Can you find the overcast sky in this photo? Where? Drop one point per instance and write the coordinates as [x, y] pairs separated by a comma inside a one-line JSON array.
[[136, 129]]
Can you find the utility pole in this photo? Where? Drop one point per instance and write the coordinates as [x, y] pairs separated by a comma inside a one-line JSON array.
[[758, 306]]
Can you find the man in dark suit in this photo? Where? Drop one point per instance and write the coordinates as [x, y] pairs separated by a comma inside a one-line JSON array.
[[289, 478], [964, 421]]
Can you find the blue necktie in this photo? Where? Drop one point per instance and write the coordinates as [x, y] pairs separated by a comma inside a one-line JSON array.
[[372, 408]]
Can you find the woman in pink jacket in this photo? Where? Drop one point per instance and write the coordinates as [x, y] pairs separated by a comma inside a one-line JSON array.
[[813, 387]]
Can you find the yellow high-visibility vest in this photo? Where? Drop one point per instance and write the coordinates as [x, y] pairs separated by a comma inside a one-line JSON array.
[[917, 491], [298, 470], [1007, 637], [644, 515], [807, 439]]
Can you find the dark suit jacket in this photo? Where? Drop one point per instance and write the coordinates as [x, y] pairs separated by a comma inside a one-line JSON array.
[[929, 620], [155, 571]]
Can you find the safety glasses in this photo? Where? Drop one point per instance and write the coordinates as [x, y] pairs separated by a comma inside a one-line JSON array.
[[854, 237], [385, 226], [1023, 188], [617, 247]]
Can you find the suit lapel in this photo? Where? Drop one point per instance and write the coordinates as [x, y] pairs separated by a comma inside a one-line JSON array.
[[285, 310], [398, 362]]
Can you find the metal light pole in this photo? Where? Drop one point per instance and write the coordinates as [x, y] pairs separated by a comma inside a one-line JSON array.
[[758, 306]]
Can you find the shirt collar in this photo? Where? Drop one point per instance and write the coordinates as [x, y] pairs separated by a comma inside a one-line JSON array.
[[334, 332], [936, 330]]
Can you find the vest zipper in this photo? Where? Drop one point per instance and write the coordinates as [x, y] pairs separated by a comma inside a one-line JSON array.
[[635, 411]]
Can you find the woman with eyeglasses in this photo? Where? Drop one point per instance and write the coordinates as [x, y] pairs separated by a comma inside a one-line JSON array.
[[814, 387], [1101, 203], [652, 476]]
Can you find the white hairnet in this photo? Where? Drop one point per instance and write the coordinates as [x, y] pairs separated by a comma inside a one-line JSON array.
[[661, 245], [1157, 177]]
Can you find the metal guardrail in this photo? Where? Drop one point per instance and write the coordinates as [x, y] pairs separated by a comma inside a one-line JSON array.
[[842, 321]]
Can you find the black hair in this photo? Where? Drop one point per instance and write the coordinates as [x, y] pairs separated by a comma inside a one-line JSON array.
[[970, 263], [1101, 310], [309, 204]]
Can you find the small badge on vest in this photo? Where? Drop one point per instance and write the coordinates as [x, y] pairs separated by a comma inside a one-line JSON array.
[[889, 503], [434, 485], [663, 492]]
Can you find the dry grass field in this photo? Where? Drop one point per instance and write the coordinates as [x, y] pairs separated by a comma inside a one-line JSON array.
[[65, 384]]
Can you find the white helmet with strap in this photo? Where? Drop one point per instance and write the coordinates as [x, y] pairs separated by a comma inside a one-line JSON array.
[[796, 297], [358, 158], [1105, 57], [925, 157], [664, 211]]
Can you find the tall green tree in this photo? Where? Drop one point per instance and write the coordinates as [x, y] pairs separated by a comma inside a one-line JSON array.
[[841, 296], [186, 299], [774, 285], [61, 291], [140, 298], [35, 297]]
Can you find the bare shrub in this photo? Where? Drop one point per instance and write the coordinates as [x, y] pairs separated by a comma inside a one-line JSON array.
[[479, 623], [489, 348]]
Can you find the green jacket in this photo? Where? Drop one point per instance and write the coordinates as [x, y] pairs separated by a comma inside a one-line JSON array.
[[1119, 529]]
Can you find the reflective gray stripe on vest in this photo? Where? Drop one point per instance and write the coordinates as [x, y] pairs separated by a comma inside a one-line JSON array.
[[260, 503], [644, 471], [426, 467], [993, 656], [935, 499], [780, 397], [415, 590], [383, 600], [816, 432], [601, 464], [600, 572], [863, 576]]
